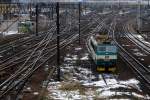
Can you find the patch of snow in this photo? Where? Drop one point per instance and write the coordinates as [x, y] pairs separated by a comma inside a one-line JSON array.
[[113, 86], [107, 93], [130, 81], [102, 90], [111, 81], [10, 32], [137, 95], [1, 56], [74, 57], [121, 93], [35, 93], [85, 57], [46, 69], [142, 59], [53, 83], [120, 13], [62, 95], [139, 54], [125, 45], [77, 49], [86, 12], [105, 12], [147, 97], [68, 55], [100, 83], [145, 35], [29, 88], [140, 37], [135, 50], [46, 65], [93, 84], [67, 58]]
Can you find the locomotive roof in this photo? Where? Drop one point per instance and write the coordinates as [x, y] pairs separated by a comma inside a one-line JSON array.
[[102, 39]]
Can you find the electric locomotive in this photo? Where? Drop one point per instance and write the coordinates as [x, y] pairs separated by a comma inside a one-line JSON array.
[[25, 26], [103, 52]]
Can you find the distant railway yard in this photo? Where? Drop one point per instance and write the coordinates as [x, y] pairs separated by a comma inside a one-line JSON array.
[[74, 51]]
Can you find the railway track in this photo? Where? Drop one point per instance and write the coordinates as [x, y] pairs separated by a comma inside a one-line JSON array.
[[142, 42], [139, 69], [27, 40], [10, 61], [28, 70], [111, 79], [107, 77], [4, 49], [143, 46], [27, 48]]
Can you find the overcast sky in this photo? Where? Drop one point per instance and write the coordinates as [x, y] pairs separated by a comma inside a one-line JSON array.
[[109, 1]]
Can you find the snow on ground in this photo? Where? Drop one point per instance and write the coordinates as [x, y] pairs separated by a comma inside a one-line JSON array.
[[121, 12], [111, 81], [80, 83], [1, 56], [78, 48], [10, 33], [138, 53], [85, 12], [105, 12], [125, 45], [135, 50], [92, 88], [35, 93], [142, 59], [140, 37], [85, 57], [75, 57]]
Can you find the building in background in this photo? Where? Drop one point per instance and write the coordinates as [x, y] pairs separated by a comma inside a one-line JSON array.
[[5, 1]]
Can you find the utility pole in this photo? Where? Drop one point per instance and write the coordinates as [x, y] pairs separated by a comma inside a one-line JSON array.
[[79, 19], [58, 48], [66, 14], [52, 11], [7, 17], [119, 4], [139, 15], [19, 7], [30, 11], [85, 7], [37, 14]]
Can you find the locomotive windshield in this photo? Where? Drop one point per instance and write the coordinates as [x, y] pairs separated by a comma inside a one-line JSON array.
[[107, 49]]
